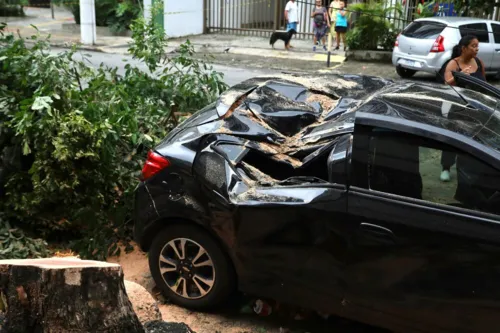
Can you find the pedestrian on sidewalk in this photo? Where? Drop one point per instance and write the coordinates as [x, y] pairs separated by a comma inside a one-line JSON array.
[[334, 8], [464, 59], [291, 16], [321, 24], [341, 25]]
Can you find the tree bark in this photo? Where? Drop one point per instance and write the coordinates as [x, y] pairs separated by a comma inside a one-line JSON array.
[[65, 295]]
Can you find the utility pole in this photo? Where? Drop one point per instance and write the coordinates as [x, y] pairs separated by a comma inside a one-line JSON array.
[[87, 22]]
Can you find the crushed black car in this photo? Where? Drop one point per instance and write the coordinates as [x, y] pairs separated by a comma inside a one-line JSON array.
[[325, 192]]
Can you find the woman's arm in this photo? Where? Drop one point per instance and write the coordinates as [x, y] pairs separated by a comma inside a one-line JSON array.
[[448, 75]]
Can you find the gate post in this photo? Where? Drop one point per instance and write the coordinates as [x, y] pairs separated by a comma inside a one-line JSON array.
[[276, 14], [221, 18], [205, 9]]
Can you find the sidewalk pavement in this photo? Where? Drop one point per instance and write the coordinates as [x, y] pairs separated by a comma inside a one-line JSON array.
[[63, 31]]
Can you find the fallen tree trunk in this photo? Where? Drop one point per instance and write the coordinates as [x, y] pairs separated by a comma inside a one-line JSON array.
[[65, 295]]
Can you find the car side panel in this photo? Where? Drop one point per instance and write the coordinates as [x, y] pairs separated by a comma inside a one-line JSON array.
[[436, 270], [287, 242], [431, 265], [495, 39], [293, 252]]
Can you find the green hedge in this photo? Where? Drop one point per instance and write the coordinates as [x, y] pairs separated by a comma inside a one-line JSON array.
[[117, 14], [12, 7], [73, 139], [371, 27]]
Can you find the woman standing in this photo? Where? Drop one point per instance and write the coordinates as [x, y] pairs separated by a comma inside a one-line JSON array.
[[341, 25], [334, 8], [464, 59], [321, 24]]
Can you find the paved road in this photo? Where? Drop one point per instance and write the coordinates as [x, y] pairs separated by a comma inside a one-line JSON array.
[[232, 75]]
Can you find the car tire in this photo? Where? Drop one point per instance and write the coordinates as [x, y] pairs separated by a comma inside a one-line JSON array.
[[172, 282], [405, 73]]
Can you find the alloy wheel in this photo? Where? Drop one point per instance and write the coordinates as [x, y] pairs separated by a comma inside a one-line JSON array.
[[187, 268]]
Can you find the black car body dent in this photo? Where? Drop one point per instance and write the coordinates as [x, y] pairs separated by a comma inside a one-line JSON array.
[[307, 186]]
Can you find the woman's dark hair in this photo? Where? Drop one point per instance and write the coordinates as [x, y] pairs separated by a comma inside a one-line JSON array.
[[464, 42]]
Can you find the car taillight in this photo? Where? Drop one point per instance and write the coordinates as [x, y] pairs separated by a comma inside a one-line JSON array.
[[154, 164], [438, 45], [396, 43]]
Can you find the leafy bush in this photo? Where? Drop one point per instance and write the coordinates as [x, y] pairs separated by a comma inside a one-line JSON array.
[[73, 138], [12, 7], [116, 14], [15, 245], [424, 10], [372, 28]]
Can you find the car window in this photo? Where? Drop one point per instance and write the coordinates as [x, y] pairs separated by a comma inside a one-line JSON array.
[[496, 32], [412, 166], [480, 30], [424, 29]]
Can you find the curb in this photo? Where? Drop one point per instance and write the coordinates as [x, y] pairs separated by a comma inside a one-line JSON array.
[[284, 55], [370, 56]]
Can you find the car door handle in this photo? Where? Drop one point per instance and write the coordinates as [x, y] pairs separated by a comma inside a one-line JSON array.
[[376, 229], [375, 234]]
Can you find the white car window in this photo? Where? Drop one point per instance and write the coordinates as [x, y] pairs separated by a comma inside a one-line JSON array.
[[496, 32], [480, 30]]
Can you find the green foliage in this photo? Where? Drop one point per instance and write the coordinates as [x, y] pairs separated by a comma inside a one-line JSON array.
[[73, 139], [424, 10], [474, 8], [14, 244], [372, 28], [116, 14], [12, 7]]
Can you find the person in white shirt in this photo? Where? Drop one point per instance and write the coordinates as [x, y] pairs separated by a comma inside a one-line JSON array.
[[291, 16]]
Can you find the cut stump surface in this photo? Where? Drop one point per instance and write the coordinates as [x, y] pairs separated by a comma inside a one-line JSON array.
[[65, 295]]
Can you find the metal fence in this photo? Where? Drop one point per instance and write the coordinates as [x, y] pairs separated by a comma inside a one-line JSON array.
[[256, 17], [262, 17]]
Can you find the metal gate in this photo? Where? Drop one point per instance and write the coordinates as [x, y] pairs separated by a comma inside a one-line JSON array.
[[256, 17]]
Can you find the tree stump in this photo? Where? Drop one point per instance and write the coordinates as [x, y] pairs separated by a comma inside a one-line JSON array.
[[58, 295]]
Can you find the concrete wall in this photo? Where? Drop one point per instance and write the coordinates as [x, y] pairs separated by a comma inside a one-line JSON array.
[[147, 9], [183, 17]]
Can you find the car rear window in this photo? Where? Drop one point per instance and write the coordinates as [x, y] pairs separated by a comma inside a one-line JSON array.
[[424, 29]]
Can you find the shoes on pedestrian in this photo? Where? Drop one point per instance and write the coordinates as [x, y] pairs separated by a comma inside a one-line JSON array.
[[337, 47], [345, 47], [314, 48], [445, 176], [324, 47]]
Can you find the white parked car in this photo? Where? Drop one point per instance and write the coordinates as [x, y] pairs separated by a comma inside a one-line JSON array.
[[426, 44]]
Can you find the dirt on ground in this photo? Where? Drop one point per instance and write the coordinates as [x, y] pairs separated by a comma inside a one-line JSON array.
[[238, 316]]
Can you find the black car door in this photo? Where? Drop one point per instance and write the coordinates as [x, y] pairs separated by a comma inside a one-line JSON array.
[[286, 236], [426, 254]]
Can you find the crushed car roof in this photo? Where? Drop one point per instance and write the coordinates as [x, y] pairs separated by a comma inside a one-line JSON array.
[[294, 119], [310, 105]]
